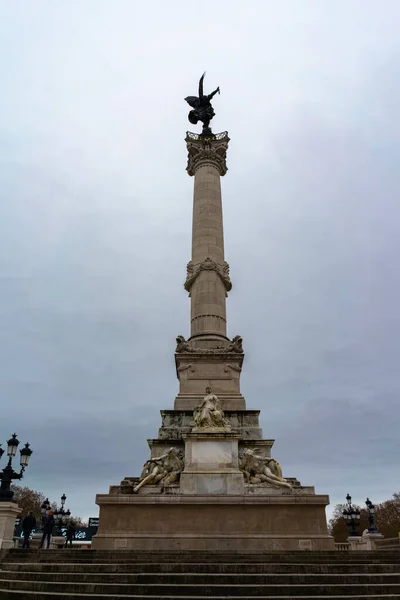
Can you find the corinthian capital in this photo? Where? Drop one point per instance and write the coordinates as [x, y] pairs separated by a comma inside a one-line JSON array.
[[207, 150]]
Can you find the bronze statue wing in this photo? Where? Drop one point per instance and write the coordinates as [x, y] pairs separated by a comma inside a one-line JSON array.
[[193, 101], [201, 93]]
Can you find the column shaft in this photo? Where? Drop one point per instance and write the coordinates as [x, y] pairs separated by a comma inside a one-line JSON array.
[[208, 273], [208, 293]]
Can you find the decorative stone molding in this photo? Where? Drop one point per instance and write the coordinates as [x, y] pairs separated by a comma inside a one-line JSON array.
[[234, 346], [186, 366], [228, 368], [193, 271], [207, 150]]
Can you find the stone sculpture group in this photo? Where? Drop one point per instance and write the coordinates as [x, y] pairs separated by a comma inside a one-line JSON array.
[[165, 470], [162, 470], [209, 414], [261, 469]]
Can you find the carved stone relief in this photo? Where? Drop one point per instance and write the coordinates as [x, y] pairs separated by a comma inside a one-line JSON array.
[[182, 345], [193, 271]]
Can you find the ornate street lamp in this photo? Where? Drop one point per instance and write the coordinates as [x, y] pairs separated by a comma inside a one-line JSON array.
[[351, 515], [45, 508], [371, 517], [62, 516], [8, 473]]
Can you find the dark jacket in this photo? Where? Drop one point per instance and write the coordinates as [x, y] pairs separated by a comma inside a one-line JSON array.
[[28, 524], [49, 524], [70, 532]]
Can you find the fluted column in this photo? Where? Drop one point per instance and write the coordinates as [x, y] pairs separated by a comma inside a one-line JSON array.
[[207, 273]]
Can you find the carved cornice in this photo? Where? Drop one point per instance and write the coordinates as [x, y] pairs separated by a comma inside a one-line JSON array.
[[193, 271], [203, 150], [234, 346]]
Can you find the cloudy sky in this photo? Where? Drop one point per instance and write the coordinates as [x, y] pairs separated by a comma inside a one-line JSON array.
[[95, 225]]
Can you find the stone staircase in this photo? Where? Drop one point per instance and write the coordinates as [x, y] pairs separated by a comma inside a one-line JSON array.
[[112, 575]]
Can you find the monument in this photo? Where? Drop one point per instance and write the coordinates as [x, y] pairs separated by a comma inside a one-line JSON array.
[[210, 482]]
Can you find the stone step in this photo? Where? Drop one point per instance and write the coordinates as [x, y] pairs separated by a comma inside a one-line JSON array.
[[213, 568], [206, 578], [15, 595], [203, 590], [198, 555], [278, 557]]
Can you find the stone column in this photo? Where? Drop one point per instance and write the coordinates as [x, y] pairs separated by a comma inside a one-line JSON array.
[[207, 273], [9, 511]]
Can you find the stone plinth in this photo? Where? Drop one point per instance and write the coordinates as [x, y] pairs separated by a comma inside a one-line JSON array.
[[218, 369], [211, 463], [364, 542], [9, 511], [215, 523]]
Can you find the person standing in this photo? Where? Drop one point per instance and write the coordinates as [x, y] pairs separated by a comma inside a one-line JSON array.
[[70, 535], [28, 524], [48, 526]]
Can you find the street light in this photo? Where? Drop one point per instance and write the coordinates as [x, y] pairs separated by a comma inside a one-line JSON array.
[[45, 507], [12, 446], [62, 516], [351, 515], [371, 517], [25, 456], [8, 473]]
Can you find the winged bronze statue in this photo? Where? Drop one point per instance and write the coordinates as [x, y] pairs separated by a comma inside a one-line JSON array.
[[202, 109]]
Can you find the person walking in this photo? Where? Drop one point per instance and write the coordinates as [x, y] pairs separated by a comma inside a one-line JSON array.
[[28, 524], [48, 526], [70, 535]]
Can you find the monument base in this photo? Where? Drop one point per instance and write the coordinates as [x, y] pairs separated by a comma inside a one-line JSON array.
[[217, 523]]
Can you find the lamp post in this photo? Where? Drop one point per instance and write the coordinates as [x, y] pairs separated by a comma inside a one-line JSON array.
[[371, 517], [8, 474], [61, 515], [351, 515], [44, 509]]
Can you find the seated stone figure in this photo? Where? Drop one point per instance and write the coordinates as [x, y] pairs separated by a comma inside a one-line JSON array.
[[161, 470], [209, 413], [261, 469]]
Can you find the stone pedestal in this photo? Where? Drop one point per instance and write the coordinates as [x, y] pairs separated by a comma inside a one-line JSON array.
[[364, 542], [354, 542], [214, 523], [370, 539], [9, 511], [212, 509], [211, 463]]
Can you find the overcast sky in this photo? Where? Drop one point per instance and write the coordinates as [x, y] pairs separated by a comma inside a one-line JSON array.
[[95, 226]]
